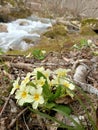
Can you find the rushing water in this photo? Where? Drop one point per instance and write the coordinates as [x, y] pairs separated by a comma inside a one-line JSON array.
[[21, 31]]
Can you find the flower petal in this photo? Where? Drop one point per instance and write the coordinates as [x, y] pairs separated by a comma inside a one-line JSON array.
[[71, 86], [39, 90], [41, 100], [20, 102], [35, 105], [32, 90]]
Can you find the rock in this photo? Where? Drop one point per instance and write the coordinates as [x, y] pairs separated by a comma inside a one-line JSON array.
[[93, 23], [34, 6], [8, 12], [72, 26], [90, 23], [86, 30], [4, 12], [56, 30], [3, 27]]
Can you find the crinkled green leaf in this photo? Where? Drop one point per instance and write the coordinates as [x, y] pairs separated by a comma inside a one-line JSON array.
[[31, 84], [38, 54], [39, 75], [62, 125], [55, 95], [63, 109], [50, 105]]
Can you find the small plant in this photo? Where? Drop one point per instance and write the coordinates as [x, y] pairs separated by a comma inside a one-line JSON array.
[[39, 54], [1, 52], [41, 88], [39, 91], [83, 43], [95, 53]]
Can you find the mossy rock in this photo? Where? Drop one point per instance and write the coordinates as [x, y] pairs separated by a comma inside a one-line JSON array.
[[93, 23], [56, 30], [86, 30], [21, 13]]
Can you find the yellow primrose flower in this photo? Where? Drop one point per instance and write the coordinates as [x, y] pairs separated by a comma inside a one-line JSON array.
[[27, 78], [69, 93], [49, 82], [22, 95], [67, 84], [40, 82], [55, 81], [47, 73], [40, 69], [43, 51], [37, 96], [89, 41], [15, 85], [61, 72]]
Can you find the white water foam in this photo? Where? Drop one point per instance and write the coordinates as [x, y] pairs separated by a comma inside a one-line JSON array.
[[20, 30]]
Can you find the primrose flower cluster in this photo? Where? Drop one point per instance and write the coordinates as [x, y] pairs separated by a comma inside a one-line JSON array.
[[38, 86]]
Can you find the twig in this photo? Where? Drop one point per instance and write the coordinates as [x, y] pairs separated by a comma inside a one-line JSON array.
[[21, 65], [49, 64], [7, 58], [29, 67], [5, 105], [5, 73], [40, 122], [14, 120], [80, 79], [25, 123]]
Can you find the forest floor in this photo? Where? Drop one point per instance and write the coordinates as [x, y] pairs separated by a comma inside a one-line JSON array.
[[13, 117]]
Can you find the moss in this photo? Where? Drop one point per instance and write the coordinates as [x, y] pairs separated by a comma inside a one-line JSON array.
[[15, 52], [56, 30], [21, 13], [47, 44], [85, 30], [88, 21], [93, 23]]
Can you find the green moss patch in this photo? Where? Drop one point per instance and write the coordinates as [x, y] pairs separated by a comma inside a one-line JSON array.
[[89, 21], [55, 31], [85, 30]]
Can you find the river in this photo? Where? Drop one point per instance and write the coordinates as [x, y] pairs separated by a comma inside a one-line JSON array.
[[20, 31]]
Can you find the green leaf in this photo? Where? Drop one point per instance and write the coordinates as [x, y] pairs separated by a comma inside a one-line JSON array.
[[66, 111], [62, 109], [1, 52], [85, 108], [46, 91], [38, 54], [56, 94], [62, 125], [31, 84], [50, 105], [39, 75], [83, 43]]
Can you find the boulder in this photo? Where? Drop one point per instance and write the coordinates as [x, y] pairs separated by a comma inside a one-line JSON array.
[[89, 26], [55, 31], [3, 27]]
